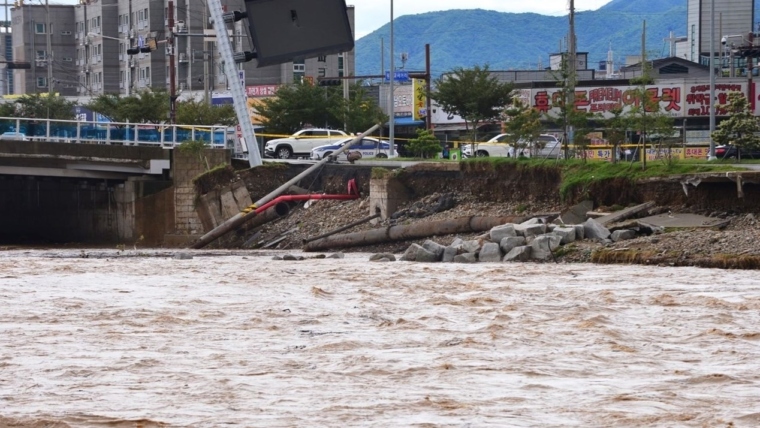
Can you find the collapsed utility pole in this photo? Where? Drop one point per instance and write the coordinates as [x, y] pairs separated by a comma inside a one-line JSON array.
[[237, 89]]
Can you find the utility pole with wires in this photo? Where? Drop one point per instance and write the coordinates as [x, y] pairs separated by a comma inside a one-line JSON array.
[[172, 69], [570, 77]]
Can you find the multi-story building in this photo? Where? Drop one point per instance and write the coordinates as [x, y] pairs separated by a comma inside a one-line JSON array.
[[92, 42], [732, 18], [44, 37]]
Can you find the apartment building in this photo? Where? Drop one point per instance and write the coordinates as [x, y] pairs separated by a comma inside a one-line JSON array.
[[92, 42], [44, 37]]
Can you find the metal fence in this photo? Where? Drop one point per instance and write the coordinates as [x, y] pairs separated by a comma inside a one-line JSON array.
[[128, 134]]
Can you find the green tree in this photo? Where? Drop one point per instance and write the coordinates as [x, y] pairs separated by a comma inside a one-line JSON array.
[[474, 94], [148, 106], [741, 127], [425, 145], [360, 112], [646, 115], [523, 124], [193, 112], [563, 101], [616, 127], [45, 106], [300, 104]]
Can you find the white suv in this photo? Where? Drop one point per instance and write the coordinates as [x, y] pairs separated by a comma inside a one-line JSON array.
[[548, 146], [301, 143]]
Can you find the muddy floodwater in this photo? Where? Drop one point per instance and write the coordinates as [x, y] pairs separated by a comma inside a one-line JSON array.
[[92, 338]]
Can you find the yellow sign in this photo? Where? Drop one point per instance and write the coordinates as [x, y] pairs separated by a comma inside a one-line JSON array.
[[419, 110]]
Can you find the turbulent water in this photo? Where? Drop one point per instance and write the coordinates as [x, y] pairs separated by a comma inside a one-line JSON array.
[[132, 340]]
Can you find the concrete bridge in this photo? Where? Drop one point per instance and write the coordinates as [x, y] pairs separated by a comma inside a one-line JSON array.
[[56, 188]]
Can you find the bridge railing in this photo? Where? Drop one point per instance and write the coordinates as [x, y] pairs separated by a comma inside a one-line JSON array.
[[128, 134]]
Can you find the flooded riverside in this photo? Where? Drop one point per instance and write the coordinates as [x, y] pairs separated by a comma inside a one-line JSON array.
[[100, 338]]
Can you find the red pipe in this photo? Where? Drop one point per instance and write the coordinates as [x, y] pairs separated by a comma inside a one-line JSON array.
[[353, 193], [286, 198]]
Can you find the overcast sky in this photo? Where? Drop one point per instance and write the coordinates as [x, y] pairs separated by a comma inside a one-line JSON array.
[[373, 14]]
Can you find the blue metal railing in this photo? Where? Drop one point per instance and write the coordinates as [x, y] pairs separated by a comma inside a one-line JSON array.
[[128, 134]]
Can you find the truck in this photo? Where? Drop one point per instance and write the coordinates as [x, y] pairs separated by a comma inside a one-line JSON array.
[[302, 142]]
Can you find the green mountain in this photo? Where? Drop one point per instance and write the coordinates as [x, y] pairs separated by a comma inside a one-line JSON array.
[[520, 41]]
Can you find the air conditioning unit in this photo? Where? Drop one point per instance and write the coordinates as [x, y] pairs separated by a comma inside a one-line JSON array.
[[181, 27], [182, 57]]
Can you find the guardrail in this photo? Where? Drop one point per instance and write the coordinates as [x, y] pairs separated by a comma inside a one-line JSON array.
[[128, 134]]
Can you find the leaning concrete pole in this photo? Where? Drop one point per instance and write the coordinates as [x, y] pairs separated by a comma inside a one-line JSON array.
[[241, 217]]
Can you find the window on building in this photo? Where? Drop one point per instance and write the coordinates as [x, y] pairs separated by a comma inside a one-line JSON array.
[[322, 72], [322, 58], [41, 55], [42, 82], [39, 27], [145, 14], [97, 22]]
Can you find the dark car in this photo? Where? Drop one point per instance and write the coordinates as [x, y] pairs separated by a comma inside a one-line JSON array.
[[732, 152]]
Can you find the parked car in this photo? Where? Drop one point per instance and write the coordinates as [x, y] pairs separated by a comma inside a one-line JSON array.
[[548, 146], [13, 135], [301, 143], [730, 151], [368, 147]]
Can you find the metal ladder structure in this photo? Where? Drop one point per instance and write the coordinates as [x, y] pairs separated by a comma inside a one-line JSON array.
[[237, 90]]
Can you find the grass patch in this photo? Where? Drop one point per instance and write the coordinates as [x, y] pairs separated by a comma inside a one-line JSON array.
[[379, 173]]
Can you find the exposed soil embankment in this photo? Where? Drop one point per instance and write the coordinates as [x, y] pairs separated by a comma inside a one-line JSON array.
[[486, 189]]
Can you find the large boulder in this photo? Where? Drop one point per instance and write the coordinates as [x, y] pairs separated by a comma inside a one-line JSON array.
[[566, 233], [416, 253], [449, 253], [471, 246], [580, 232], [528, 230], [434, 248], [623, 235], [510, 242], [388, 257], [490, 253], [518, 254], [498, 233], [542, 246], [466, 258], [592, 229]]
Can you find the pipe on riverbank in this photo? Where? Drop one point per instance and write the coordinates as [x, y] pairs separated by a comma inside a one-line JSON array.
[[415, 231], [245, 216]]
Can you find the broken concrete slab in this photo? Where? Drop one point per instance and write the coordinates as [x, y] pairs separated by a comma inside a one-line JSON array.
[[577, 213], [624, 213], [541, 248], [623, 235], [679, 220], [498, 233]]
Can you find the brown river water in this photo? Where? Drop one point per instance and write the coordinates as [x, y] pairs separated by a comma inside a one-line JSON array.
[[141, 339]]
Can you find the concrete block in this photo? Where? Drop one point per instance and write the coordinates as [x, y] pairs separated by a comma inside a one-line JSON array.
[[518, 254], [498, 233], [490, 253]]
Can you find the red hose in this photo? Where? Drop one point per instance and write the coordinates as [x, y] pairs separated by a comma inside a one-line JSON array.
[[353, 193]]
